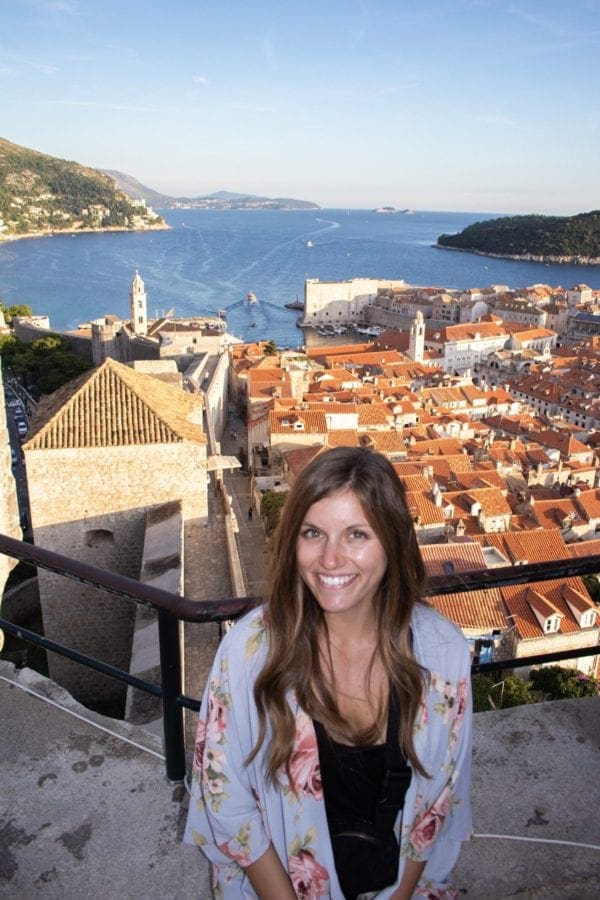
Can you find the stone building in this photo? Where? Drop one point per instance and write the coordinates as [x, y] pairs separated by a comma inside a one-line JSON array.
[[103, 451]]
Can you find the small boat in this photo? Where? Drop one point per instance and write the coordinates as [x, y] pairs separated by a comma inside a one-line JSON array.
[[251, 297], [309, 244], [222, 313]]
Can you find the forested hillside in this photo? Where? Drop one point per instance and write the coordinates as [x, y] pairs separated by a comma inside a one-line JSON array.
[[556, 238], [41, 194]]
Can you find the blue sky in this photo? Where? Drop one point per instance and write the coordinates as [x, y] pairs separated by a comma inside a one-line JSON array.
[[482, 105]]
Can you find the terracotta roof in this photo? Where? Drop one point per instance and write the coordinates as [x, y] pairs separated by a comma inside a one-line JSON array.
[[475, 609], [585, 548], [520, 599], [342, 437], [297, 421], [449, 559], [540, 546], [299, 457], [114, 406], [422, 506]]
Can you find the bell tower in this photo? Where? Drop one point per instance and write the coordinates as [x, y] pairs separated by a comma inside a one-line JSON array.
[[138, 306], [416, 343]]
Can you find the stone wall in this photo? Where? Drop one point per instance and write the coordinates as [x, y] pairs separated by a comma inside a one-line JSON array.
[[91, 505], [216, 396]]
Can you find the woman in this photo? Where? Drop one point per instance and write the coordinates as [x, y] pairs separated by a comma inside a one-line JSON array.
[[345, 683]]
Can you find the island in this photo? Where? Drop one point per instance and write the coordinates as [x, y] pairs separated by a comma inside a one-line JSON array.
[[535, 238], [43, 195]]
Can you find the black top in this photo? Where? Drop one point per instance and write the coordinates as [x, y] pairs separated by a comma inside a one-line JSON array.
[[351, 778], [364, 788]]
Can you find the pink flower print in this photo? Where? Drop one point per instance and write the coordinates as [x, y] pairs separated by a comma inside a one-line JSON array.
[[216, 722], [310, 879], [236, 853], [304, 763], [199, 746], [429, 823], [462, 693]]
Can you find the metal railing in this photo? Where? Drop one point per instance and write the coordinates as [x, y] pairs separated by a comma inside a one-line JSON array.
[[173, 608]]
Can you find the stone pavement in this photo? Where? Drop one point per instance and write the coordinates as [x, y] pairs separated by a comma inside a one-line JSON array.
[[86, 812]]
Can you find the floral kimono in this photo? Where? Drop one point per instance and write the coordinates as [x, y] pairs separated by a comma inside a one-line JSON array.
[[235, 814]]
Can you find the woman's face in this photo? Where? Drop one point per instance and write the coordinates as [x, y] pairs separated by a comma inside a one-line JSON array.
[[339, 556]]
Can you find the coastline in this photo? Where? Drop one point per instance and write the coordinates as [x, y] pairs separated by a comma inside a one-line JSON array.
[[73, 231], [528, 257]]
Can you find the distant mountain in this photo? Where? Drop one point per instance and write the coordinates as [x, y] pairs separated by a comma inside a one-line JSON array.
[[40, 194], [216, 200], [541, 238], [137, 190]]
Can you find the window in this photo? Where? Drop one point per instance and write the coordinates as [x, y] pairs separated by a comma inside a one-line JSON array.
[[99, 537]]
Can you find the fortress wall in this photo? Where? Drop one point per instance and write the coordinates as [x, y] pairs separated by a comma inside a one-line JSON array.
[[341, 302], [91, 504]]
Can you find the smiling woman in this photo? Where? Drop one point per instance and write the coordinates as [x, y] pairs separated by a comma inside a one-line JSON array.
[[333, 749]]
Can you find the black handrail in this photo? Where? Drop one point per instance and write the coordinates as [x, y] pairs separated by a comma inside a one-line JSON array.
[[172, 608]]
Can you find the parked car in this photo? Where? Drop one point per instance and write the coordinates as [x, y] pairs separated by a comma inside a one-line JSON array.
[[22, 427]]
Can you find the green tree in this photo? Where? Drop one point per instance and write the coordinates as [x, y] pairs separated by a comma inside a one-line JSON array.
[[17, 309], [270, 348], [495, 692], [481, 687], [271, 505], [559, 683], [47, 363]]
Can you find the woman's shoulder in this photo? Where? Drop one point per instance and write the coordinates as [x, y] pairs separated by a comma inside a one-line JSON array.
[[432, 631], [246, 637]]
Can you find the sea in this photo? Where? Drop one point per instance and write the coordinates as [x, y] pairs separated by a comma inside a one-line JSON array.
[[211, 259]]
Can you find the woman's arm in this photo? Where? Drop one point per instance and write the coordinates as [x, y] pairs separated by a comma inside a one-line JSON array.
[[410, 877], [269, 879]]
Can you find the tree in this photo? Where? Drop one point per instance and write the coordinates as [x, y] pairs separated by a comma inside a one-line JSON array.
[[271, 505], [495, 692], [47, 363], [270, 348], [559, 683], [17, 309]]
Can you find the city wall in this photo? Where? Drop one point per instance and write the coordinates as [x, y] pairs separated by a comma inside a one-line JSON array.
[[91, 504]]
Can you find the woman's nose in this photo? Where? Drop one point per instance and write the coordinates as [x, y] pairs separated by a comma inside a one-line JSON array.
[[331, 555]]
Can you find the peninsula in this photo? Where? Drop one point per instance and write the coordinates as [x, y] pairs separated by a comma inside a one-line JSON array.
[[551, 239], [42, 195], [216, 200]]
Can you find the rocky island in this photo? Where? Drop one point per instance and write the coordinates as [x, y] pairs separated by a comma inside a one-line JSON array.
[[42, 195], [535, 238]]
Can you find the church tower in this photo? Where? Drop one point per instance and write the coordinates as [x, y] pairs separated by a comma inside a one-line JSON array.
[[416, 343], [138, 306]]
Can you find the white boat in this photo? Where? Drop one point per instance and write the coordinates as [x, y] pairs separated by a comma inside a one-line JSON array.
[[309, 244], [251, 297]]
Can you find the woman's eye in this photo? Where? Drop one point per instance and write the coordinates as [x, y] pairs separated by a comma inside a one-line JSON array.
[[359, 534], [311, 533]]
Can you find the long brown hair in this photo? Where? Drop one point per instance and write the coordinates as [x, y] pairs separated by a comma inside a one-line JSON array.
[[295, 620]]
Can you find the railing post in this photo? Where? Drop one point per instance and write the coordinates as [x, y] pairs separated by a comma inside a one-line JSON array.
[[170, 671]]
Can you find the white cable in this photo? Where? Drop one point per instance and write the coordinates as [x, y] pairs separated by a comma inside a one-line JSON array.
[[512, 837], [83, 718]]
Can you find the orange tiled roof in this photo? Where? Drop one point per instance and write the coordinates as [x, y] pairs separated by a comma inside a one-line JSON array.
[[476, 609], [519, 600]]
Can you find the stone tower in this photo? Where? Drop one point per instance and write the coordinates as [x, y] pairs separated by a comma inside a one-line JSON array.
[[103, 451], [416, 344], [138, 306]]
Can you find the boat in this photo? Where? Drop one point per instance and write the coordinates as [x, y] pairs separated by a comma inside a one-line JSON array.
[[309, 244], [295, 304], [251, 297], [222, 313]]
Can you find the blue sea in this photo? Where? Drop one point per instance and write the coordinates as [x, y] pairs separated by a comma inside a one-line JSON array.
[[211, 259]]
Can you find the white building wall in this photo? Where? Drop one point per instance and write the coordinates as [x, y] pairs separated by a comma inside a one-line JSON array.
[[341, 302]]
